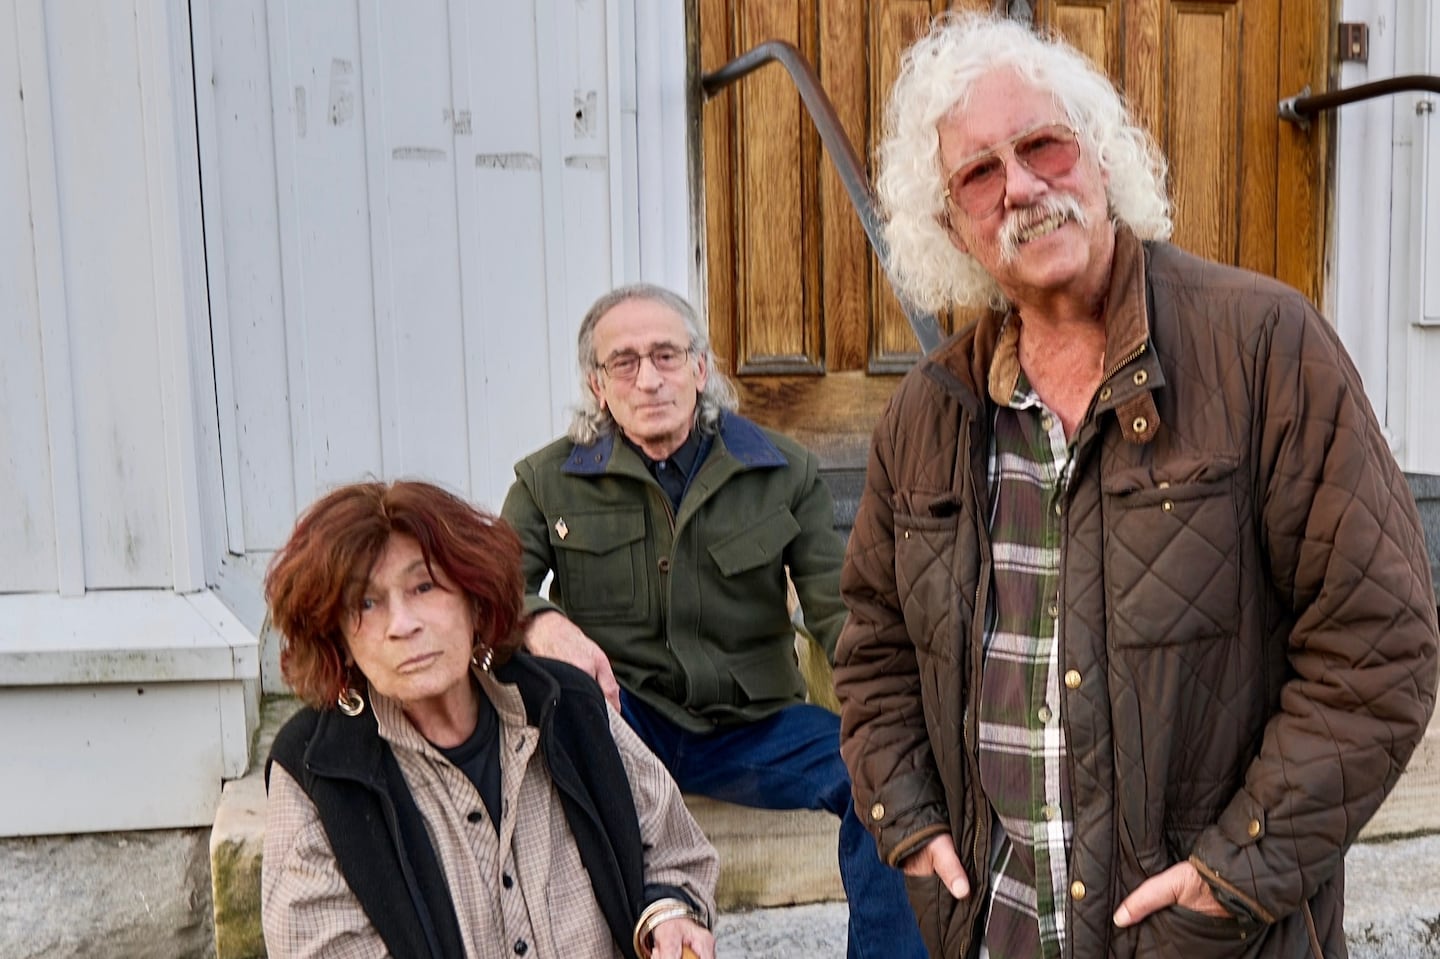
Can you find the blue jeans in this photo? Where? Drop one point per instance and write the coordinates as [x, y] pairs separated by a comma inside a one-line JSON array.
[[792, 761]]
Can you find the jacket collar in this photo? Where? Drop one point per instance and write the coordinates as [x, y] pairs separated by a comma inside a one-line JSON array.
[[962, 366], [741, 439]]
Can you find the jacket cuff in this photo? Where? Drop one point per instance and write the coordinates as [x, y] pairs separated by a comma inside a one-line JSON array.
[[903, 815], [1240, 905], [535, 604]]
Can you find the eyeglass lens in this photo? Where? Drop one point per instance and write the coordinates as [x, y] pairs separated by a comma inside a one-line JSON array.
[[978, 187]]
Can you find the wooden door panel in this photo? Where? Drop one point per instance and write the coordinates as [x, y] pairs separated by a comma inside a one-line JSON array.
[[1093, 26], [1202, 132], [775, 252]]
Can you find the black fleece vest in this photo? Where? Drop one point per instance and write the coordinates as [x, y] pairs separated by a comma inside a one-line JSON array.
[[379, 838]]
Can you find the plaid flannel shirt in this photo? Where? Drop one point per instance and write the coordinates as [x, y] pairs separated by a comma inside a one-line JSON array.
[[1022, 740]]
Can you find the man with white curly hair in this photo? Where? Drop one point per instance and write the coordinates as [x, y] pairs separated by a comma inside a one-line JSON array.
[[1141, 623]]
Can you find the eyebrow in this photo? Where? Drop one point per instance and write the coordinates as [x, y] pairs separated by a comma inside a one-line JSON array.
[[659, 345], [359, 584]]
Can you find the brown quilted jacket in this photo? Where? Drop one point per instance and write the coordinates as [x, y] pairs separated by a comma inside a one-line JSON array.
[[1248, 616]]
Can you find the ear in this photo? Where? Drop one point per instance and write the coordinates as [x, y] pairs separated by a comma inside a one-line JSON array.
[[594, 380], [947, 223], [702, 370]]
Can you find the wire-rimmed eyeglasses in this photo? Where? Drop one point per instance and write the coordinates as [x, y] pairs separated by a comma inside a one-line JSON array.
[[667, 358]]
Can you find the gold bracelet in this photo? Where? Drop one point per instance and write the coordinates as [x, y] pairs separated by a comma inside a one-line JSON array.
[[661, 910], [647, 931]]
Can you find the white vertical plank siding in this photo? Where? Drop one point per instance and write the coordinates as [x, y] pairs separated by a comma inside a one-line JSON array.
[[620, 89], [370, 78], [243, 247], [109, 274], [445, 192], [1359, 296], [27, 523], [508, 340], [1417, 246], [181, 318], [325, 243], [580, 39], [421, 347], [207, 135], [52, 308], [554, 80]]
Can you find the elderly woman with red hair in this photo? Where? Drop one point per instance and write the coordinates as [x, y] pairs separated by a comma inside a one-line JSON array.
[[446, 794]]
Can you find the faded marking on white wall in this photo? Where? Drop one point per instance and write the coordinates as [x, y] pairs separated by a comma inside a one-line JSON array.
[[423, 154], [300, 108], [507, 161], [342, 92], [585, 162], [585, 109], [460, 123]]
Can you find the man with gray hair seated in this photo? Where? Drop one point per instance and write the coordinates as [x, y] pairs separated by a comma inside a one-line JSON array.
[[669, 523], [1141, 622]]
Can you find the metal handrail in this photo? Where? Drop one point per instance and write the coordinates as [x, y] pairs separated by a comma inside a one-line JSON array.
[[1302, 107], [842, 154]]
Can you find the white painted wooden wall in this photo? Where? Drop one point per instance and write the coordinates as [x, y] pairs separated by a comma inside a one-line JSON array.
[[1383, 270], [117, 665], [102, 452], [408, 209]]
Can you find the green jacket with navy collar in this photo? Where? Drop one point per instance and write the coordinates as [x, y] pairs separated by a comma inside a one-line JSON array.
[[689, 606]]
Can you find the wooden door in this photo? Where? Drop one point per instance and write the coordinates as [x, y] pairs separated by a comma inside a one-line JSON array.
[[800, 311]]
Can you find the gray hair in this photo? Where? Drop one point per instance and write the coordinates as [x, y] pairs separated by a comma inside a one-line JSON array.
[[590, 421], [938, 74]]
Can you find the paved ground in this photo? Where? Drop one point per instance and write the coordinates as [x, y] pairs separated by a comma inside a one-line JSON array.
[[1392, 912]]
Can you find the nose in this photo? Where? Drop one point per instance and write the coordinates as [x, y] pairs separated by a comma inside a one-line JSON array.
[[648, 376], [403, 622], [1021, 185]]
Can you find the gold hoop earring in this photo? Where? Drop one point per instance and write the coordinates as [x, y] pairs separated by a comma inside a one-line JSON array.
[[351, 703]]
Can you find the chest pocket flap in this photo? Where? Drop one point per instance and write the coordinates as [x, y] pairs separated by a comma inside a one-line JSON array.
[[760, 544], [601, 570], [598, 533]]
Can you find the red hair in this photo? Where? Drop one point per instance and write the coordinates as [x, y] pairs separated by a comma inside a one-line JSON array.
[[317, 577]]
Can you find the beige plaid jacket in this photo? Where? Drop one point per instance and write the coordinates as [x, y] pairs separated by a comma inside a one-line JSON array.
[[527, 885]]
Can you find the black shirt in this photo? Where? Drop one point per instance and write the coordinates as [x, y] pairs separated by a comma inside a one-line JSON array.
[[479, 759], [675, 472]]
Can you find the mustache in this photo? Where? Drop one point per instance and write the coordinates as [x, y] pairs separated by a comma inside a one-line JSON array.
[[1022, 219]]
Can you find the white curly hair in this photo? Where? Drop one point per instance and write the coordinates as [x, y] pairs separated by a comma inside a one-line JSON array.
[[937, 74]]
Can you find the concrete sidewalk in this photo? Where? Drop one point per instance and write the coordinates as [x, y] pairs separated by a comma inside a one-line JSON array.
[[1392, 911]]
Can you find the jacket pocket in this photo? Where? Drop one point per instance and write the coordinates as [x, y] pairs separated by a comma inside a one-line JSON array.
[[768, 676], [926, 527], [601, 568], [1172, 565], [1177, 931], [760, 544]]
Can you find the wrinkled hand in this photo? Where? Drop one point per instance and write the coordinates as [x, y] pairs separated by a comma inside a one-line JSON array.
[[937, 858], [552, 635], [1180, 885], [671, 936]]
